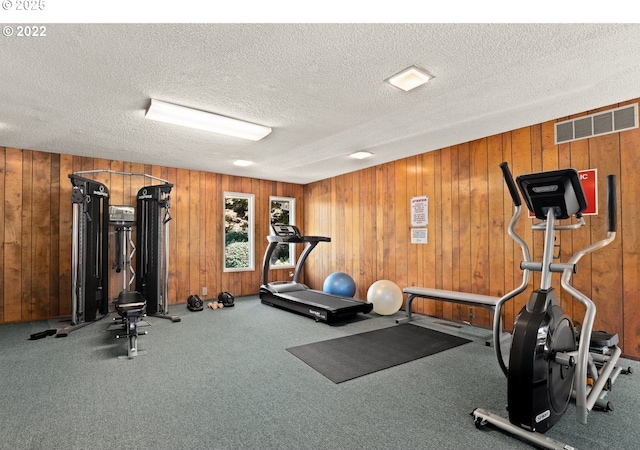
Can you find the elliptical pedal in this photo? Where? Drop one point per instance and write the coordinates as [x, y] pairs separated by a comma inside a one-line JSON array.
[[601, 341]]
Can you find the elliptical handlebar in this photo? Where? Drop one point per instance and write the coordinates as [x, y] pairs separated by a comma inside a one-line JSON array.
[[612, 204], [513, 189], [526, 273], [585, 399]]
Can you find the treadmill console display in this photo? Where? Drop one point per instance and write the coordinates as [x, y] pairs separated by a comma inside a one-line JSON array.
[[286, 230]]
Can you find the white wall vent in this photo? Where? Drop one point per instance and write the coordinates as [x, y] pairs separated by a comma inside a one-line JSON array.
[[611, 121]]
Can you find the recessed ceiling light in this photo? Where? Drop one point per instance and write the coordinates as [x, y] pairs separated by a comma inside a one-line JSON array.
[[202, 120], [410, 78], [361, 155], [242, 163]]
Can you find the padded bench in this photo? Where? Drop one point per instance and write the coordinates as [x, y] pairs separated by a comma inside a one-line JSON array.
[[485, 301], [131, 307]]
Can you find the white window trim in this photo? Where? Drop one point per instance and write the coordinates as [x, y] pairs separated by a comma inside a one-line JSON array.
[[292, 221], [251, 198]]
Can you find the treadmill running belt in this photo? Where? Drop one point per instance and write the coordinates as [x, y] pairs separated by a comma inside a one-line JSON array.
[[321, 299], [316, 304]]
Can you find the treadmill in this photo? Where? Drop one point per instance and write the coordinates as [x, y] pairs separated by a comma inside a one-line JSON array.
[[298, 297]]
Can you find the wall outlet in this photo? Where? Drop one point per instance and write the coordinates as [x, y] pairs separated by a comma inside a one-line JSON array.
[[204, 291]]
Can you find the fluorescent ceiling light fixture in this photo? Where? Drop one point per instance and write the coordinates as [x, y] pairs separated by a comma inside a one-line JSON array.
[[242, 163], [202, 120], [361, 155], [410, 78]]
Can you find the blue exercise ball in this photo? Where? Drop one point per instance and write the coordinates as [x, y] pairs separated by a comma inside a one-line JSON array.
[[339, 283]]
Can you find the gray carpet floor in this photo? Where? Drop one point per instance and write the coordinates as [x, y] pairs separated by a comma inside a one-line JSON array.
[[223, 379]]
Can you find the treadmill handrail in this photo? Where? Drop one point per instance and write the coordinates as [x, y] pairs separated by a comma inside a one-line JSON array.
[[291, 235], [316, 239], [297, 239]]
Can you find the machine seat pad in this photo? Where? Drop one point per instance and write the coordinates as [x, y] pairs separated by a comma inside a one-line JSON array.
[[130, 303]]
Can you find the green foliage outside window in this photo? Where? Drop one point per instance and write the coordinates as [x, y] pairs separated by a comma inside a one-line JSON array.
[[237, 230], [281, 210]]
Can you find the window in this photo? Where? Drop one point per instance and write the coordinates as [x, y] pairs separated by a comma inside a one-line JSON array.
[[238, 232], [283, 212]]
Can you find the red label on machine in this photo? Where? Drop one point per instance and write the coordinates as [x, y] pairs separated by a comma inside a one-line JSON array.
[[589, 181]]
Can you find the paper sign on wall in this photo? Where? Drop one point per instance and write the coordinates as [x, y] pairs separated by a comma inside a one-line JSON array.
[[420, 211], [419, 236]]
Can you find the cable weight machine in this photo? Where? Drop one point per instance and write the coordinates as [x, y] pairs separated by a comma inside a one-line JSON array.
[[89, 254], [90, 250], [153, 254]]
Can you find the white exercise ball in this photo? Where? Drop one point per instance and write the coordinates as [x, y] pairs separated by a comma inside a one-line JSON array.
[[386, 297]]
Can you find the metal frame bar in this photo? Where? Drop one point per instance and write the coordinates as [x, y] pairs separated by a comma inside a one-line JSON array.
[[117, 172]]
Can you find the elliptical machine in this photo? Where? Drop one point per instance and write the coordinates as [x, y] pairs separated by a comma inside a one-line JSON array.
[[548, 363]]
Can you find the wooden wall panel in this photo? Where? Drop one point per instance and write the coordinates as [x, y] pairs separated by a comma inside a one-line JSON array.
[[25, 232], [193, 234], [367, 241], [379, 189], [181, 222], [431, 186], [338, 224], [469, 211], [606, 265], [450, 310], [444, 242], [13, 237], [464, 229], [54, 281], [411, 258], [498, 216], [41, 236], [401, 223], [356, 227], [479, 243], [36, 228], [628, 231]]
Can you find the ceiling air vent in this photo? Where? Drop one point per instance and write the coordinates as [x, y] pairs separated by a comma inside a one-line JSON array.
[[611, 121]]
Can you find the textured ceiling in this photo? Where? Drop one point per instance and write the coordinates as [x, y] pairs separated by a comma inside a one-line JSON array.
[[83, 89]]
